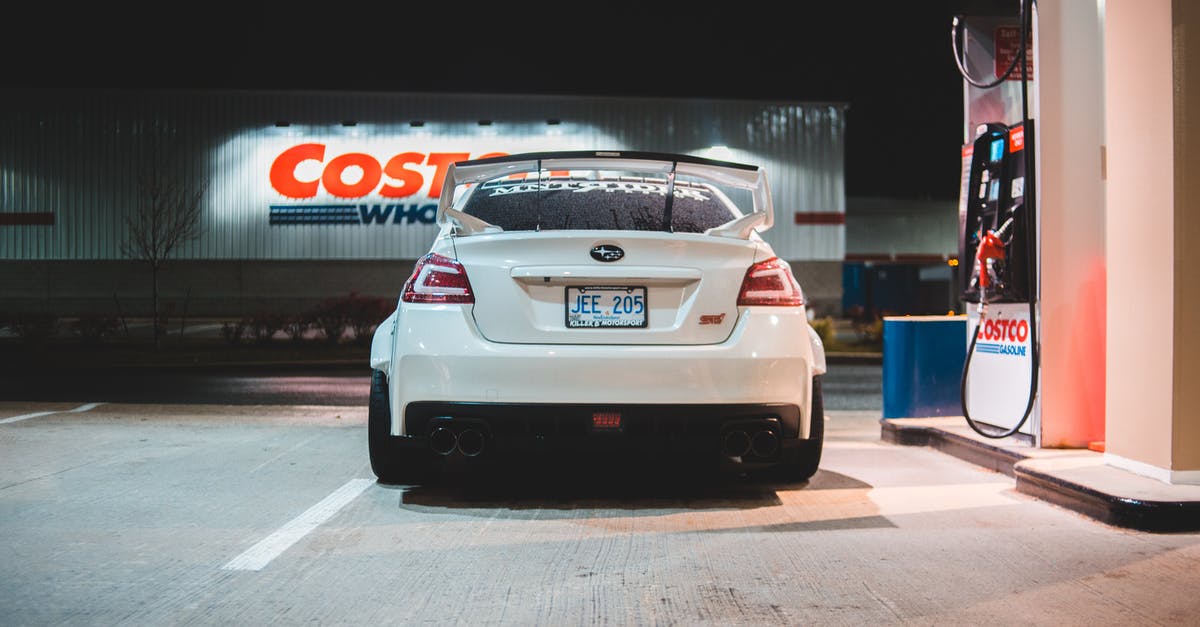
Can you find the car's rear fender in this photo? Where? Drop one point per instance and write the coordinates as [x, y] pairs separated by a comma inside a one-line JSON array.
[[818, 352], [382, 345]]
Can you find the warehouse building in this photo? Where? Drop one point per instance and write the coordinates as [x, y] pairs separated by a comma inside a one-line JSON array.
[[306, 196]]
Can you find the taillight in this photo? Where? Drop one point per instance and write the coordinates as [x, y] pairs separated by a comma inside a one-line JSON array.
[[770, 282], [438, 279]]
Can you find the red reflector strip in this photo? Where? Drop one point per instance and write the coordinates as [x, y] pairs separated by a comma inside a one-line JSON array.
[[606, 420]]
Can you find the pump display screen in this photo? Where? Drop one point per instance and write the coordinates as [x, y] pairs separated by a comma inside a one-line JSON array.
[[997, 150]]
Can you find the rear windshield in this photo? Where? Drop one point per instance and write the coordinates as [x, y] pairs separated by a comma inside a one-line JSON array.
[[598, 203]]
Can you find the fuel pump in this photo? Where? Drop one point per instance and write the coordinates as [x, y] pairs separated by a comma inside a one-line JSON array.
[[994, 227], [997, 237]]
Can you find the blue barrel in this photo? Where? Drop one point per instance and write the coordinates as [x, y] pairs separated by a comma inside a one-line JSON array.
[[922, 365]]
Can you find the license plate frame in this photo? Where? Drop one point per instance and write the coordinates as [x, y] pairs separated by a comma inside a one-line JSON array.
[[627, 313]]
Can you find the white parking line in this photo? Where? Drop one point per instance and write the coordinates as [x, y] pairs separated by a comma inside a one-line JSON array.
[[38, 414], [270, 547]]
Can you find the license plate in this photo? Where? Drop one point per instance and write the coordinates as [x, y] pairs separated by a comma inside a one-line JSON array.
[[605, 306]]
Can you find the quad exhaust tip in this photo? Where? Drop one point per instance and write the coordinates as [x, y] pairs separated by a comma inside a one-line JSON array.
[[467, 440], [753, 442], [471, 442], [443, 441], [736, 443], [764, 443]]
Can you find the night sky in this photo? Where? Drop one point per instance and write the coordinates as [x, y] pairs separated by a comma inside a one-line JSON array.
[[891, 62]]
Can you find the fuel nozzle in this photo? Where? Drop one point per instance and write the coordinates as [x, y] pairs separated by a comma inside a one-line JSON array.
[[991, 246]]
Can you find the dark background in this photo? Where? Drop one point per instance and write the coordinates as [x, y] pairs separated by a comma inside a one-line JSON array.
[[891, 62]]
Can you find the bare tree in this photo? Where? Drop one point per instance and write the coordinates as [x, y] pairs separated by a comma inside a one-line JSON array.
[[167, 214]]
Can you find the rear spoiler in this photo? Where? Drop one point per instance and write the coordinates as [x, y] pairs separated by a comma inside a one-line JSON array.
[[735, 175]]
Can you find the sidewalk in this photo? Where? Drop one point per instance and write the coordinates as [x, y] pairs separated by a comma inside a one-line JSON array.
[[1077, 479]]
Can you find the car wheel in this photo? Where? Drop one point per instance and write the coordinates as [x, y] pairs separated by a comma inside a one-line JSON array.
[[801, 463], [391, 460]]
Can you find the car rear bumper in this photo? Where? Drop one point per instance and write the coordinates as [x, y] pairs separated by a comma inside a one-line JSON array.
[[441, 358], [748, 435]]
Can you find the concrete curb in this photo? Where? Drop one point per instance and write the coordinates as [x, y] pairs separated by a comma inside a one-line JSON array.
[[992, 457], [1074, 479], [1121, 511]]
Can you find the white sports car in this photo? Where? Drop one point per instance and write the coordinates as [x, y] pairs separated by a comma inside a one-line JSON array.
[[619, 303]]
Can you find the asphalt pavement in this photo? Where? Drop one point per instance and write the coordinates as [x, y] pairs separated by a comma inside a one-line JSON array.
[[149, 514], [311, 374]]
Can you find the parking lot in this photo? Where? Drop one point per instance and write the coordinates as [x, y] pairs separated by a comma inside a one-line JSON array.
[[252, 513]]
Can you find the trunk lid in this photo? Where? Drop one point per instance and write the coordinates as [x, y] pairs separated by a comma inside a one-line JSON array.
[[530, 287]]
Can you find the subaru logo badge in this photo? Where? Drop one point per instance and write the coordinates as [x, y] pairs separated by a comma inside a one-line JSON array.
[[607, 252]]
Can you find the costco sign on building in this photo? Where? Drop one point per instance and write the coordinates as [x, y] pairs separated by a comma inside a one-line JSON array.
[[302, 195], [408, 183]]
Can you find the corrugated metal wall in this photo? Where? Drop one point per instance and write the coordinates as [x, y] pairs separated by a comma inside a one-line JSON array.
[[75, 158]]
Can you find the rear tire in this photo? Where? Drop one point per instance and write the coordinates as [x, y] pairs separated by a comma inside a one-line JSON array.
[[391, 460], [801, 463]]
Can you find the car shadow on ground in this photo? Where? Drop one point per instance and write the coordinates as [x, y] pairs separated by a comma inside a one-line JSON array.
[[619, 486]]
